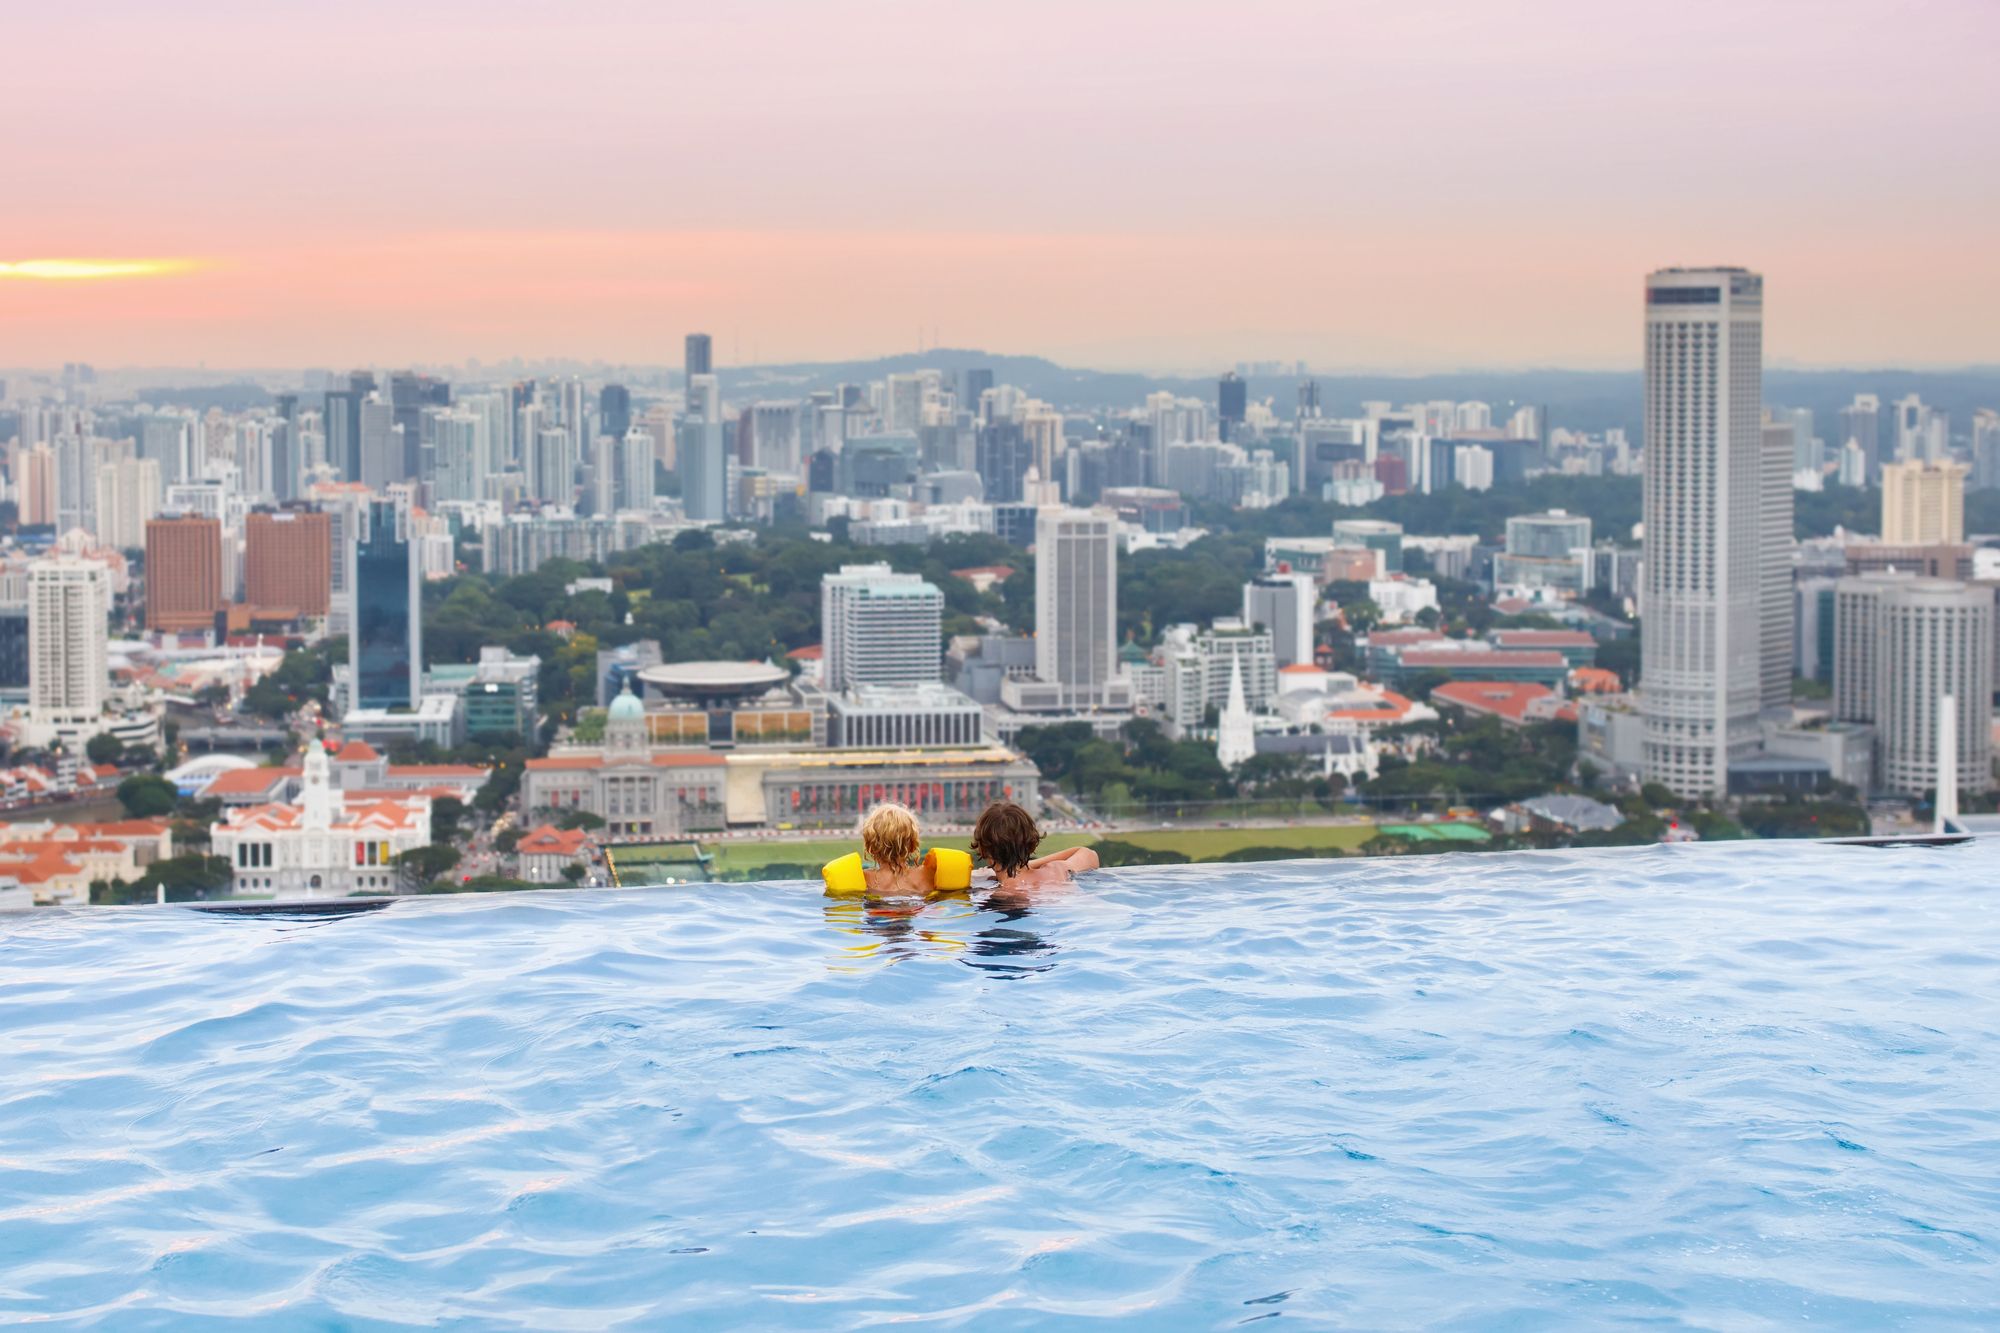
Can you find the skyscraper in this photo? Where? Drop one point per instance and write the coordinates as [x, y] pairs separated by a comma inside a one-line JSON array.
[[1861, 423], [614, 410], [69, 601], [288, 560], [1923, 504], [704, 464], [1283, 604], [1232, 398], [128, 493], [1901, 643], [697, 360], [1076, 602], [382, 445], [183, 573], [1702, 654], [385, 645], [879, 628]]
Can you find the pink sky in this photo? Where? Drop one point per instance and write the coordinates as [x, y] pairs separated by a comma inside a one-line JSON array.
[[1404, 185]]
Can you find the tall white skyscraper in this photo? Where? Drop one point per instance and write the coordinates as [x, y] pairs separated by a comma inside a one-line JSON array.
[[704, 464], [879, 628], [1076, 602], [635, 470], [1705, 559], [69, 601]]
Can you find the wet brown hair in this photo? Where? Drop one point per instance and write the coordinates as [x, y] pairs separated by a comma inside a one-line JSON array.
[[1006, 837]]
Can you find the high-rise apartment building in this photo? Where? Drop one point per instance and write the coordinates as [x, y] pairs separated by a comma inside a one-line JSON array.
[[37, 485], [1076, 602], [385, 644], [69, 601], [1705, 560], [128, 493], [879, 627], [288, 560], [183, 573], [1923, 504]]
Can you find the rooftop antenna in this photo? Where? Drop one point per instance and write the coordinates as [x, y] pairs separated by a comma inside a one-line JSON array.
[[1947, 760]]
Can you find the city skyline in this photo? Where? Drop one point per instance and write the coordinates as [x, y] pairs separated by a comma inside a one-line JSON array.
[[1425, 187]]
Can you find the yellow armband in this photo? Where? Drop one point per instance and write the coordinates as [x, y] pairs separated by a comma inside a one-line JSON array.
[[951, 869], [844, 877]]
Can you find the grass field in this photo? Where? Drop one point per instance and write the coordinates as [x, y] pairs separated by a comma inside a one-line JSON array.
[[751, 859]]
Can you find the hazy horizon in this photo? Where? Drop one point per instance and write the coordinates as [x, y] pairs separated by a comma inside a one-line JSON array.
[[1406, 189]]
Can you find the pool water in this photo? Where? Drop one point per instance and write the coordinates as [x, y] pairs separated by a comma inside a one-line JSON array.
[[1708, 1086]]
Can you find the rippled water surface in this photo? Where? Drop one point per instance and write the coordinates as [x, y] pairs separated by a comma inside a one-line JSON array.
[[1722, 1087]]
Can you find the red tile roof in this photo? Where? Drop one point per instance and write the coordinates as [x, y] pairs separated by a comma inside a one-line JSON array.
[[358, 752], [1511, 700], [548, 840], [812, 652]]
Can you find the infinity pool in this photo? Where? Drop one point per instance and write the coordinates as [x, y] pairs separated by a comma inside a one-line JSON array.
[[1721, 1087]]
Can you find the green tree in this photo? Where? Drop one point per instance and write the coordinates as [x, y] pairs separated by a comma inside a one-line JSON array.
[[146, 796], [421, 865], [104, 748]]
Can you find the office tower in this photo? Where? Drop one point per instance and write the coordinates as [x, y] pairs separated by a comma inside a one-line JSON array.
[[973, 383], [288, 560], [1283, 604], [1232, 400], [697, 360], [1002, 457], [14, 636], [903, 400], [777, 436], [1076, 601], [69, 603], [385, 646], [37, 486], [1913, 428], [1902, 643], [614, 410], [1703, 649], [343, 423], [1774, 565], [183, 573], [1923, 504], [879, 627], [704, 465], [1936, 639], [1308, 400], [128, 493], [381, 457], [635, 470], [410, 394]]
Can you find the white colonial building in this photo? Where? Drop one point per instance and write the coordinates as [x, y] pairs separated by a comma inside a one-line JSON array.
[[326, 844]]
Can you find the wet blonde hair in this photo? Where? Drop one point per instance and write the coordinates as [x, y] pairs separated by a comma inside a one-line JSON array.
[[889, 836]]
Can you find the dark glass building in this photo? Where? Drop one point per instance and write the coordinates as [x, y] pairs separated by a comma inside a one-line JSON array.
[[700, 361], [1232, 399], [385, 647], [13, 647], [614, 411]]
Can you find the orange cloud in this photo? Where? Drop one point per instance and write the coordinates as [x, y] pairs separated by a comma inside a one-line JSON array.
[[84, 270]]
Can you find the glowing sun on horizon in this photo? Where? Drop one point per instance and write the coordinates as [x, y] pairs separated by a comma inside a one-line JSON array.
[[77, 270]]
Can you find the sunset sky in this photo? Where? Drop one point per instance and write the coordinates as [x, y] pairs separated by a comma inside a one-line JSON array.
[[1411, 184]]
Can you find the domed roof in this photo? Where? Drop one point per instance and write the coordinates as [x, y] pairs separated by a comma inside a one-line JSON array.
[[626, 708]]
